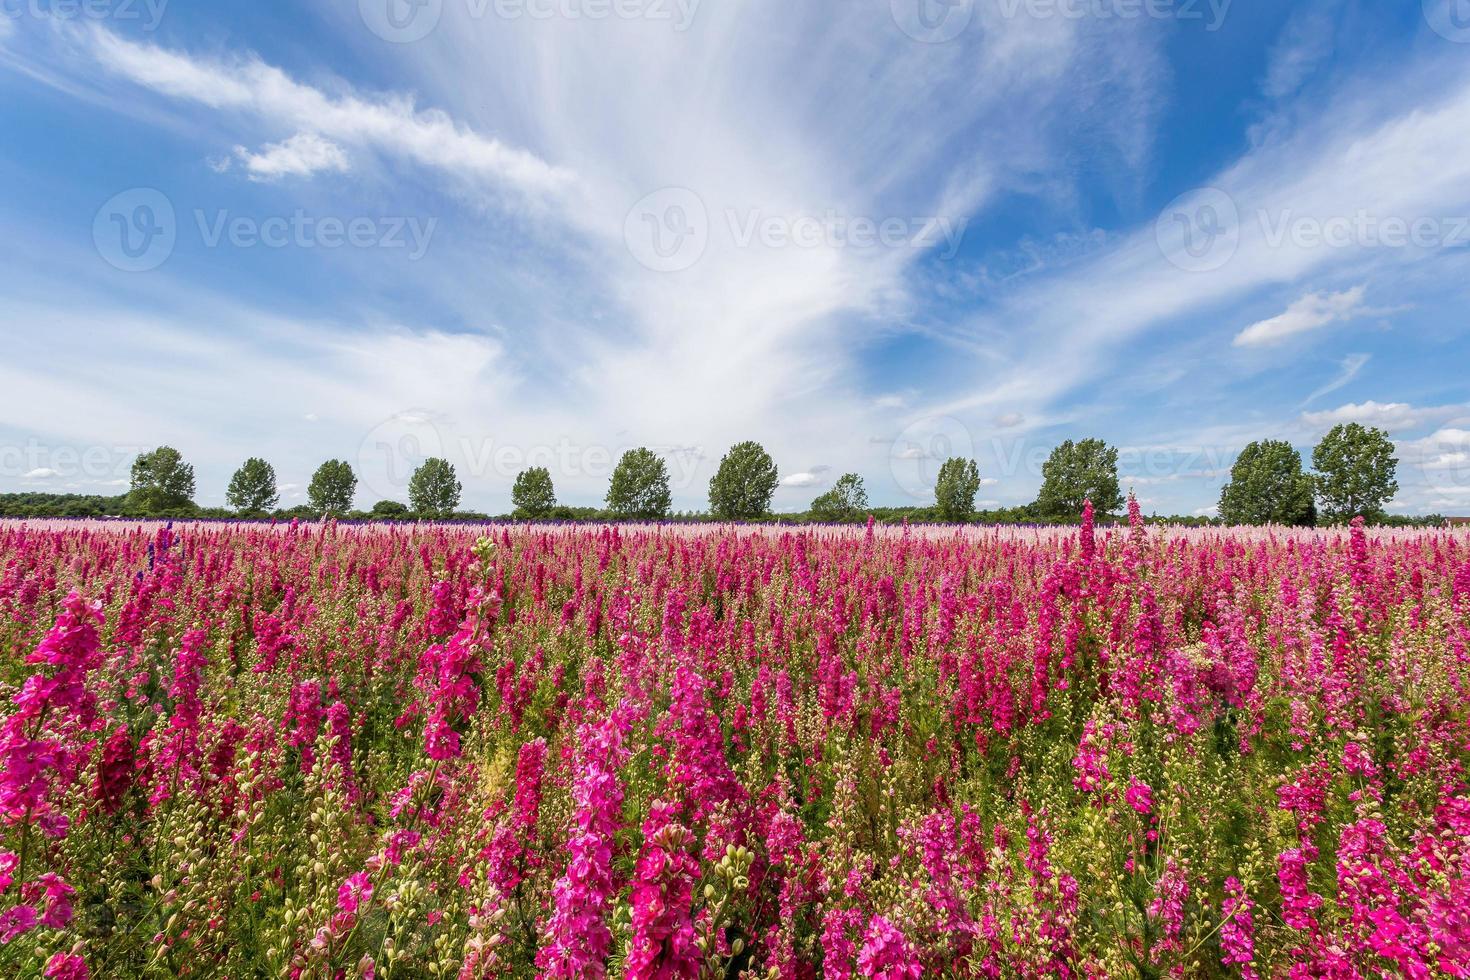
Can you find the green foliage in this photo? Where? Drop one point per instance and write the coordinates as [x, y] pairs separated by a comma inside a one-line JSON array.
[[1075, 473], [332, 487], [564, 513], [434, 489], [1267, 486], [162, 483], [742, 487], [1355, 468], [533, 495], [61, 505], [1421, 520], [252, 489], [846, 501], [954, 491], [389, 510], [640, 487]]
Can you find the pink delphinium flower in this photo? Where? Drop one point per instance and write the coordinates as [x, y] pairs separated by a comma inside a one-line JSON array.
[[1140, 796], [16, 921], [189, 667], [662, 945], [837, 948], [339, 726], [698, 766], [115, 771], [577, 936], [66, 966], [176, 754], [354, 892], [887, 953], [443, 615], [36, 762], [512, 853], [1086, 536], [1237, 930], [1170, 893], [448, 676], [1298, 901], [530, 766], [304, 716], [57, 911], [1090, 761], [8, 861]]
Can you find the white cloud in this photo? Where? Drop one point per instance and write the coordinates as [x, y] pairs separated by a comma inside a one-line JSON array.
[[1304, 43], [1442, 457], [1381, 150], [752, 340], [391, 124], [759, 342], [1390, 416], [300, 156], [1351, 366], [41, 473], [1311, 312], [802, 480]]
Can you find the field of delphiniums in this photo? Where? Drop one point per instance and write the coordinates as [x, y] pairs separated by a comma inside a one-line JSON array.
[[433, 751]]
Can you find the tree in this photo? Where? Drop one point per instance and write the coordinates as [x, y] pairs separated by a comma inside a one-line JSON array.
[[955, 489], [640, 487], [1267, 486], [332, 487], [252, 489], [162, 481], [846, 501], [1078, 472], [742, 487], [1355, 472], [533, 494], [389, 510], [433, 490]]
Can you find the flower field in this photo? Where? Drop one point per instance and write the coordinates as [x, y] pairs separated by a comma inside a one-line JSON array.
[[439, 751]]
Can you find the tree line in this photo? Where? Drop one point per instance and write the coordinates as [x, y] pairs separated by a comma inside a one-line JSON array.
[[1353, 473]]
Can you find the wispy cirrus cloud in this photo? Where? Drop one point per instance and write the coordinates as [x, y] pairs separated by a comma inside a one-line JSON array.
[[538, 319], [1385, 152], [1311, 312], [301, 155], [391, 124], [1351, 366], [1389, 416]]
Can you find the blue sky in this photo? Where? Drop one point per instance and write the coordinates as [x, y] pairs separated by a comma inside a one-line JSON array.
[[868, 234]]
